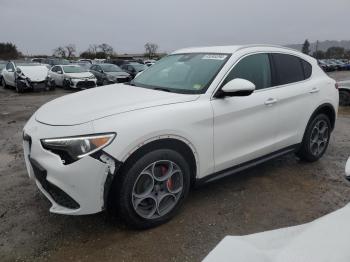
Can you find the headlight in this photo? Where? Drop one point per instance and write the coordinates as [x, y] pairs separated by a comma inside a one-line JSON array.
[[71, 149]]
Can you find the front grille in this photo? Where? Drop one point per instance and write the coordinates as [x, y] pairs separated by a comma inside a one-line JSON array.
[[86, 84], [39, 84], [57, 194]]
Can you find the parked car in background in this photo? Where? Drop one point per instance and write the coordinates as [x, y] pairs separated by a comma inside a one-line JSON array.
[[50, 62], [344, 93], [37, 60], [24, 75], [70, 76], [197, 115], [109, 74], [2, 66], [133, 68], [83, 64], [86, 60]]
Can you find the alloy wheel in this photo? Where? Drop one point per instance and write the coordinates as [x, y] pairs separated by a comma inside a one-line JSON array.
[[157, 189], [319, 137]]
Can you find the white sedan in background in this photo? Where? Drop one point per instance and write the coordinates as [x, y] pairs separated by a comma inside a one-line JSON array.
[[24, 76], [70, 76]]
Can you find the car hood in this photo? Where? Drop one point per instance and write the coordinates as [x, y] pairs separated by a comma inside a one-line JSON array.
[[35, 73], [79, 75], [96, 103], [117, 74]]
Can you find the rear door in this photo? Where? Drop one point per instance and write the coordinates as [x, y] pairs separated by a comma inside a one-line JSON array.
[[295, 93], [245, 127]]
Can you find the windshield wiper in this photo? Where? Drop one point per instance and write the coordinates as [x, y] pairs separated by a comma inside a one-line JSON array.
[[162, 89]]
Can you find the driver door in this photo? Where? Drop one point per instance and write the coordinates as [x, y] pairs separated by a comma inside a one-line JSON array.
[[244, 126]]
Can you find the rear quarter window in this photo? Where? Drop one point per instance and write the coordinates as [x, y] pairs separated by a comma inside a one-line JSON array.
[[289, 69], [307, 68]]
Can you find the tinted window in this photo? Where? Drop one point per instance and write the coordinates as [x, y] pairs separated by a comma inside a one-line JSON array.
[[288, 69], [307, 68], [10, 66], [55, 69], [254, 68]]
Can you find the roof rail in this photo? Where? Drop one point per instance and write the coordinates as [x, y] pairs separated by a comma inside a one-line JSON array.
[[264, 45]]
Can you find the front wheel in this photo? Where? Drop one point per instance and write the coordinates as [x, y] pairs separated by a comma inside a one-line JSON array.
[[151, 190], [316, 139]]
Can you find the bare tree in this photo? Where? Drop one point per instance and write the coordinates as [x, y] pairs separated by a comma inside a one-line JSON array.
[[106, 48], [71, 49], [93, 49], [59, 52], [151, 49]]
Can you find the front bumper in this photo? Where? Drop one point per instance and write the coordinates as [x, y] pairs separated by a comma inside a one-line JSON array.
[[83, 83], [75, 189]]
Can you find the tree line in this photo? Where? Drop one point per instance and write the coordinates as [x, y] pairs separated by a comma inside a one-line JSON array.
[[331, 52], [9, 51]]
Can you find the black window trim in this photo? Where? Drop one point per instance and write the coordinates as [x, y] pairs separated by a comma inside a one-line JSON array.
[[301, 64], [273, 71]]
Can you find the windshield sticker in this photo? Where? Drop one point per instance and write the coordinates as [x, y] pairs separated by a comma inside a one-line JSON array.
[[215, 57], [197, 86]]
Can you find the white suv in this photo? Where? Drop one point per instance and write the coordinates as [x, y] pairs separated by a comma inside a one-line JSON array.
[[196, 115]]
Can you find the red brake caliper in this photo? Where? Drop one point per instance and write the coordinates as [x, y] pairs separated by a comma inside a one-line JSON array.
[[169, 182]]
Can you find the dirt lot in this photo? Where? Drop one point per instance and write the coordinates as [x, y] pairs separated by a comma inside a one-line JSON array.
[[282, 192]]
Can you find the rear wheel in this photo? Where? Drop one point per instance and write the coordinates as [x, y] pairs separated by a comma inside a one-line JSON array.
[[150, 191], [316, 139], [344, 98]]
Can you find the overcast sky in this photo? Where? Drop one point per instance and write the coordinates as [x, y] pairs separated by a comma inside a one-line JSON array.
[[38, 26]]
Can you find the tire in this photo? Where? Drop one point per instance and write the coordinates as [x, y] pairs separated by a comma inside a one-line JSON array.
[[66, 85], [315, 141], [344, 98], [142, 201]]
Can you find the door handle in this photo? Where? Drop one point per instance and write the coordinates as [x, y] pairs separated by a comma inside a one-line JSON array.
[[270, 101], [314, 90]]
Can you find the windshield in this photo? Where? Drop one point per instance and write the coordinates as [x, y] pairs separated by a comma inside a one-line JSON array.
[[73, 69], [111, 68], [183, 73]]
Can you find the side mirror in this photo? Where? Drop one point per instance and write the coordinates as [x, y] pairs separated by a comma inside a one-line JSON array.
[[59, 72], [237, 87], [10, 70]]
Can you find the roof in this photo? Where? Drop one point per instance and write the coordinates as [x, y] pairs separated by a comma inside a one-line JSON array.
[[230, 49]]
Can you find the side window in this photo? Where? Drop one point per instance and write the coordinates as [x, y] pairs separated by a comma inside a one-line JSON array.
[[54, 69], [307, 68], [288, 69], [254, 68], [10, 66]]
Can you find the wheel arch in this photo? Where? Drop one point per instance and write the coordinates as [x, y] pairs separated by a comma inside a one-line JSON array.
[[179, 144], [328, 110]]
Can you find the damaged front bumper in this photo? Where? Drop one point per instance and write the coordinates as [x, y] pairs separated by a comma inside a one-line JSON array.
[[76, 189]]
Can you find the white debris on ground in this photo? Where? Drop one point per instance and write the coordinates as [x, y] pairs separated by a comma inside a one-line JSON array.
[[326, 239]]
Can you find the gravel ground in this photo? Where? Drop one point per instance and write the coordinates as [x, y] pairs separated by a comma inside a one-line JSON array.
[[279, 193]]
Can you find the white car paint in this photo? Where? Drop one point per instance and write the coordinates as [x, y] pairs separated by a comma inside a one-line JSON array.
[[57, 75], [221, 132], [35, 72], [324, 239], [347, 168]]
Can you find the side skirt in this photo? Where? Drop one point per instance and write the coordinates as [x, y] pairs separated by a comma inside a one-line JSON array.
[[246, 165]]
